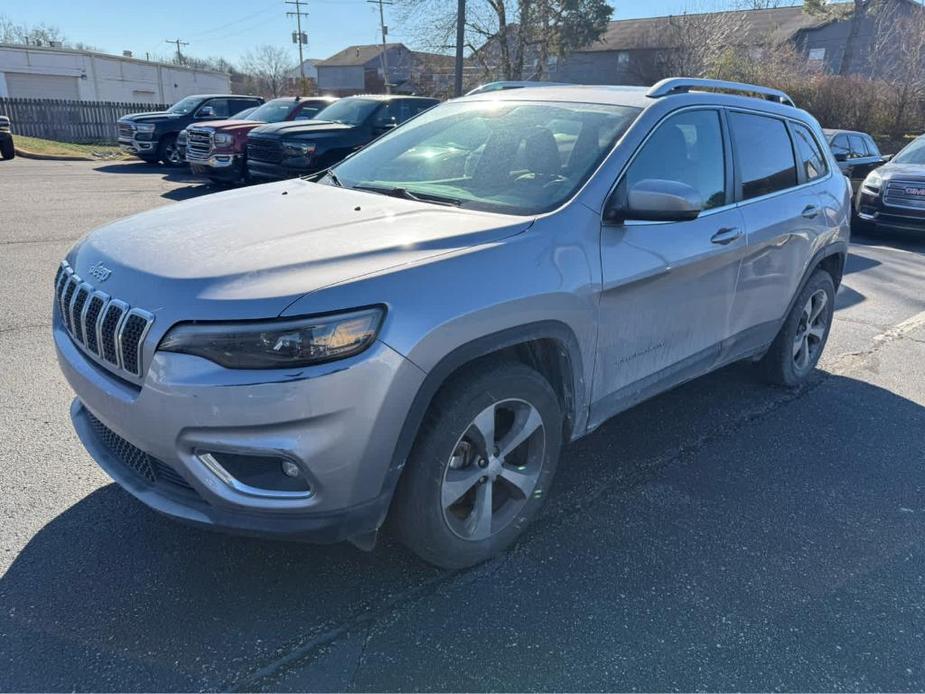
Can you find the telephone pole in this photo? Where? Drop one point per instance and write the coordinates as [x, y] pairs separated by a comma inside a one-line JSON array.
[[460, 39], [299, 38], [385, 30], [178, 43]]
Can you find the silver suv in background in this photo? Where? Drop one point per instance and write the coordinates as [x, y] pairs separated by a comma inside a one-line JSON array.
[[416, 332]]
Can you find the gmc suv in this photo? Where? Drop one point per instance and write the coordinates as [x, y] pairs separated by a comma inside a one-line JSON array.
[[152, 136], [217, 148], [284, 150], [893, 196], [417, 332]]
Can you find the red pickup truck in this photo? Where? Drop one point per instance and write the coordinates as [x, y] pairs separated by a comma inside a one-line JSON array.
[[217, 148]]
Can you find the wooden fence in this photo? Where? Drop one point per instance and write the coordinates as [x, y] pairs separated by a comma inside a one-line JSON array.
[[69, 121]]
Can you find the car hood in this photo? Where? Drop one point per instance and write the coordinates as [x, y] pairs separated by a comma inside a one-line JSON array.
[[229, 125], [914, 172], [249, 253], [300, 128], [151, 116]]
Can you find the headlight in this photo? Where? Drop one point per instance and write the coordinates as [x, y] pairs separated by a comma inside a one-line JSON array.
[[277, 344], [145, 127], [181, 138], [298, 149], [222, 139], [873, 182]]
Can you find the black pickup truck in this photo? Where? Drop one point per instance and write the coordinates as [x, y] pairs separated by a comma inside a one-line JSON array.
[[153, 136], [295, 148], [7, 150]]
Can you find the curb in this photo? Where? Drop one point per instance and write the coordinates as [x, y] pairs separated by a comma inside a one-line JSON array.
[[25, 154]]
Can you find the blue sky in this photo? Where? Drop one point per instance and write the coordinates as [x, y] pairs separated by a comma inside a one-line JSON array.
[[231, 27]]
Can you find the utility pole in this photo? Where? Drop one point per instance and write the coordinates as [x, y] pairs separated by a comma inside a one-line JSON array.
[[460, 38], [178, 43], [385, 30], [301, 38]]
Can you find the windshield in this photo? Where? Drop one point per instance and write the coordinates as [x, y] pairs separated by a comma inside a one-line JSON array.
[[348, 111], [913, 153], [274, 111], [503, 156], [244, 115], [184, 106]]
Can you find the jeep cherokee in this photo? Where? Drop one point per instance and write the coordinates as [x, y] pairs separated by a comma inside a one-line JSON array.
[[416, 333]]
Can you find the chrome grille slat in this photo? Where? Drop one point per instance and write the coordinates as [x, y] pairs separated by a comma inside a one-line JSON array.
[[895, 194], [107, 328], [198, 143]]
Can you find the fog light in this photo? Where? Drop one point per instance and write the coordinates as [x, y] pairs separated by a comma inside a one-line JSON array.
[[290, 469]]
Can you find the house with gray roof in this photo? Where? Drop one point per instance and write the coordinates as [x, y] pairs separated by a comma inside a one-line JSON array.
[[362, 69]]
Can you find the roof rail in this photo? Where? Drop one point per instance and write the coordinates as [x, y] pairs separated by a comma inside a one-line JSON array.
[[677, 85]]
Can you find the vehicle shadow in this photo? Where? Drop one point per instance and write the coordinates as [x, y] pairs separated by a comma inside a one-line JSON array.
[[196, 185], [110, 596], [912, 241]]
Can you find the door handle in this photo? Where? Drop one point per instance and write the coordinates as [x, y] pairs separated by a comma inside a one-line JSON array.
[[810, 212], [726, 235]]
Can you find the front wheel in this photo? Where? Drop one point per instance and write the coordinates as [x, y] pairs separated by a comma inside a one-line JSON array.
[[799, 344], [481, 466], [168, 152]]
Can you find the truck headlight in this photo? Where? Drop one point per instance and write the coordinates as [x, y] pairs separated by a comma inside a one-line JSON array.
[[298, 149], [277, 344], [222, 139], [145, 127], [873, 182]]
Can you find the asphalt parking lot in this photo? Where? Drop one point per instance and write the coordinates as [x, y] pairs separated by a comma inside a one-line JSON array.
[[724, 536]]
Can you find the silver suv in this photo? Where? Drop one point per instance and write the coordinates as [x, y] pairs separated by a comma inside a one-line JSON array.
[[414, 334]]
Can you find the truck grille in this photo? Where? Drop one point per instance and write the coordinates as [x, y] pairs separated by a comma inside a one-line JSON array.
[[264, 150], [198, 143], [909, 194], [126, 131], [107, 328], [142, 464]]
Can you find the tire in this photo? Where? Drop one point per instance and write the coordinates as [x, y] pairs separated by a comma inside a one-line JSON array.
[[7, 149], [167, 152], [448, 458], [801, 340]]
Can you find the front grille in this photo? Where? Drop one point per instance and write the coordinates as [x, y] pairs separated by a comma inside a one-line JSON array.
[[126, 131], [900, 194], [264, 150], [105, 327], [198, 143], [142, 464]]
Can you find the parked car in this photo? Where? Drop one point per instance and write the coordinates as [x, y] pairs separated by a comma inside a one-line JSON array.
[[7, 149], [152, 136], [856, 153], [181, 136], [285, 150], [304, 358], [217, 149], [893, 196]]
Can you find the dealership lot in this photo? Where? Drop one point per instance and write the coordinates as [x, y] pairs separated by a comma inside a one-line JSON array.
[[726, 535]]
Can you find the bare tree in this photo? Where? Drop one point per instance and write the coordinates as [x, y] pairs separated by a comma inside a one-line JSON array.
[[856, 13], [270, 67], [35, 35], [898, 57]]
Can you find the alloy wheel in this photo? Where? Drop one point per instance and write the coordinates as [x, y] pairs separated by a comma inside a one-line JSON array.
[[493, 469], [811, 329]]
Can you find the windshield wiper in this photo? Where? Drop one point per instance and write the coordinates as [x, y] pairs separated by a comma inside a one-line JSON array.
[[406, 194]]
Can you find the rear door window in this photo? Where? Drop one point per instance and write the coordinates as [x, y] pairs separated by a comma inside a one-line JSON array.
[[872, 146], [840, 145], [764, 154], [809, 152], [858, 147]]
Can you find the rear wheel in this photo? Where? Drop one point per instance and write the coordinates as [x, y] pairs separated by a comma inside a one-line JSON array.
[[7, 149], [481, 465], [168, 152], [799, 344]]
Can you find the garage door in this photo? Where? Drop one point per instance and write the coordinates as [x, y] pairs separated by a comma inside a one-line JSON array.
[[21, 85]]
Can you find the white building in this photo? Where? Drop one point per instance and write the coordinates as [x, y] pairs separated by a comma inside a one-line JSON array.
[[63, 73]]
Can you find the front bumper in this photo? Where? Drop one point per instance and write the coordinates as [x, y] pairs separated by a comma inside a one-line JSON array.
[[268, 170], [217, 165], [339, 422], [871, 209], [137, 147]]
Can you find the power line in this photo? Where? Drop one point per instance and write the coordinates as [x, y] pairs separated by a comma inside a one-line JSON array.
[[385, 30], [179, 43], [299, 38]]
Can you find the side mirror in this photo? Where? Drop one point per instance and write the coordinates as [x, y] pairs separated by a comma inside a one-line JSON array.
[[658, 200], [841, 156], [886, 157], [384, 127], [206, 112]]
